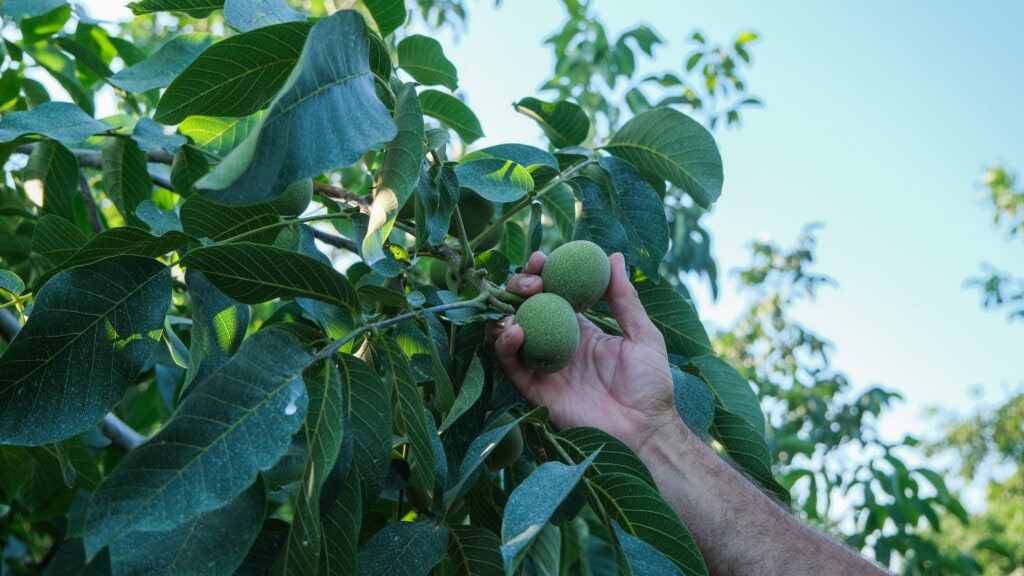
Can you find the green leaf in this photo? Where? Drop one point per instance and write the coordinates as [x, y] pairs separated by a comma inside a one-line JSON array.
[[410, 416], [342, 521], [329, 99], [59, 121], [323, 431], [248, 15], [748, 448], [388, 14], [236, 76], [672, 146], [642, 557], [18, 10], [44, 26], [64, 371], [469, 393], [612, 455], [253, 273], [474, 551], [150, 136], [54, 169], [600, 221], [532, 503], [521, 154], [219, 325], [239, 421], [439, 198], [675, 318], [398, 173], [164, 65], [124, 240], [219, 135], [403, 549], [57, 239], [545, 553], [694, 401], [204, 219], [10, 282], [370, 412], [453, 113], [643, 513], [560, 205], [194, 8], [564, 123], [731, 389], [642, 215], [423, 58], [213, 543], [126, 177], [70, 560], [495, 179], [188, 166]]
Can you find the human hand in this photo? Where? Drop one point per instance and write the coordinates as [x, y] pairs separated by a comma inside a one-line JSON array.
[[620, 384]]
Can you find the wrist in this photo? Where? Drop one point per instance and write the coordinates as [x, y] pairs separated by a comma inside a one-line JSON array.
[[666, 439]]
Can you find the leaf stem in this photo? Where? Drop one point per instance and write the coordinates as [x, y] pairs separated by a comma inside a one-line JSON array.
[[479, 302]]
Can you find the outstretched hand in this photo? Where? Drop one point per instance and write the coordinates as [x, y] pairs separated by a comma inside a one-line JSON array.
[[620, 384]]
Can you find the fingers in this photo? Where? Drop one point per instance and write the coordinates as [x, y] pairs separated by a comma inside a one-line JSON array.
[[626, 306], [528, 282], [506, 351]]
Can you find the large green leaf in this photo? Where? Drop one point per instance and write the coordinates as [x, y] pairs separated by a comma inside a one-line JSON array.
[[18, 10], [614, 456], [669, 145], [479, 449], [324, 430], [388, 14], [341, 525], [474, 551], [370, 411], [694, 400], [219, 135], [642, 512], [410, 417], [126, 177], [439, 198], [11, 282], [403, 549], [469, 393], [253, 273], [213, 543], [522, 154], [59, 121], [56, 238], [164, 65], [204, 219], [423, 58], [236, 76], [453, 113], [398, 174], [189, 165], [642, 557], [495, 179], [55, 169], [731, 389], [675, 318], [234, 424], [194, 8], [246, 15], [326, 116], [642, 215], [92, 330], [599, 220], [532, 503], [564, 123], [219, 325]]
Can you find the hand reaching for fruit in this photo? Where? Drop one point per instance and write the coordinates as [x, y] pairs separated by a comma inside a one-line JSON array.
[[620, 384]]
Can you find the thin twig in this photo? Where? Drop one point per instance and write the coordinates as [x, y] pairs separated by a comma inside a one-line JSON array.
[[90, 202], [121, 435], [342, 194], [336, 241], [94, 158], [162, 182]]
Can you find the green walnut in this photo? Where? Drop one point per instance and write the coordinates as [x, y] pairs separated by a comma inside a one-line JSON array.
[[295, 198], [577, 271], [551, 332], [509, 449]]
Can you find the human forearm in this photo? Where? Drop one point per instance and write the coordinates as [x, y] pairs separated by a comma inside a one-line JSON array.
[[738, 528]]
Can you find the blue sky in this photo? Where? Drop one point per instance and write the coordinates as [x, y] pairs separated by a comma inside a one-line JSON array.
[[880, 118]]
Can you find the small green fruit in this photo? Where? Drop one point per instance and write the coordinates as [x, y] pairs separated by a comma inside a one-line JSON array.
[[509, 449], [552, 332], [295, 198], [577, 271]]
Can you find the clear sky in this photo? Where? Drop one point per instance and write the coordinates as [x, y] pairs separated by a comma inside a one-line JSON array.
[[880, 118]]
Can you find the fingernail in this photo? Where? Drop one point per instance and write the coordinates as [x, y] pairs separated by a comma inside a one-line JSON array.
[[503, 322]]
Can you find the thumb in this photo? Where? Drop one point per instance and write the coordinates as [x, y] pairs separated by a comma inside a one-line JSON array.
[[625, 304]]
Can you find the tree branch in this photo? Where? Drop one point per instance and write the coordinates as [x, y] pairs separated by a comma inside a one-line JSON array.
[[336, 241], [121, 435], [90, 202], [342, 194]]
